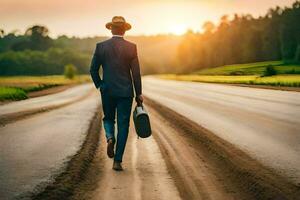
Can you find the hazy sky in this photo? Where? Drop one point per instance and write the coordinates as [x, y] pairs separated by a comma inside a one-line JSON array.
[[88, 17]]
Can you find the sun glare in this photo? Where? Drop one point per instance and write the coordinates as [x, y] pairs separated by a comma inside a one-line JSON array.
[[178, 29]]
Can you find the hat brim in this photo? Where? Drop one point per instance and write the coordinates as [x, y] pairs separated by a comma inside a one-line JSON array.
[[126, 25]]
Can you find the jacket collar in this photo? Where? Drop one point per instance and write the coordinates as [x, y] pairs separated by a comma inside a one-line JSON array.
[[118, 36]]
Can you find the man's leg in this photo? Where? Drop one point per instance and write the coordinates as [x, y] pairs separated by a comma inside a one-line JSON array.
[[123, 119], [109, 106]]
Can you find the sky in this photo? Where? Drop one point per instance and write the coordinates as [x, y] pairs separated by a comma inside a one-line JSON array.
[[83, 18]]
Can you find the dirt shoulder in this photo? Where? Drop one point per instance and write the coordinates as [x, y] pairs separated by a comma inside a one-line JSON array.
[[269, 87], [282, 88], [237, 171], [200, 164], [51, 90], [67, 182]]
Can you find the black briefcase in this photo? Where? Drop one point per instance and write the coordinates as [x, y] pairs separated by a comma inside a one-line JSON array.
[[141, 122]]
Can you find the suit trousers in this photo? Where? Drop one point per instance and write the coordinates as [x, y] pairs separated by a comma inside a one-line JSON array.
[[121, 106]]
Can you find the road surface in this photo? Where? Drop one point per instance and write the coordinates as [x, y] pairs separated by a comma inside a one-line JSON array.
[[57, 99], [34, 149], [264, 123], [177, 162], [145, 175], [148, 175]]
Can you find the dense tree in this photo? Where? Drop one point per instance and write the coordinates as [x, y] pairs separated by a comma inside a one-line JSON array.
[[2, 33], [208, 27], [156, 54], [297, 56], [243, 39], [35, 38], [235, 39], [47, 62]]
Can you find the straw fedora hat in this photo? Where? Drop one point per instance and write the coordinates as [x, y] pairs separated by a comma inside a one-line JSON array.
[[118, 21]]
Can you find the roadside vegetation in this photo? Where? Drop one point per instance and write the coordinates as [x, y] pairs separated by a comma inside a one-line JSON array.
[[258, 68], [70, 71], [277, 80], [208, 55], [235, 38], [17, 87], [8, 93], [34, 52], [274, 73], [243, 39]]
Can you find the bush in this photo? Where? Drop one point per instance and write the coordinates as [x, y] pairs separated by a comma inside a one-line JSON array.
[[10, 93], [70, 71], [270, 71]]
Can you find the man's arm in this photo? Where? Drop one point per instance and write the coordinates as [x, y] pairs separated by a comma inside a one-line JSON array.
[[94, 69], [136, 75]]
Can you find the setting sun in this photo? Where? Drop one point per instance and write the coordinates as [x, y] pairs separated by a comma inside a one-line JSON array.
[[148, 17], [149, 99], [178, 29]]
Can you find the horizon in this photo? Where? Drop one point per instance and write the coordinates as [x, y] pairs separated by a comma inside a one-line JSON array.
[[172, 17]]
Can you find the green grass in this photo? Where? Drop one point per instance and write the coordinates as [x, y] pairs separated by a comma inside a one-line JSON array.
[[251, 69], [8, 93], [277, 80], [250, 73], [31, 81], [17, 87]]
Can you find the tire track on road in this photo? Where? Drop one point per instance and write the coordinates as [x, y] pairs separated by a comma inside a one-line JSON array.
[[229, 170], [145, 174], [68, 181]]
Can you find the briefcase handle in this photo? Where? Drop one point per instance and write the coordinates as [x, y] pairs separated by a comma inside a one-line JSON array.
[[138, 103]]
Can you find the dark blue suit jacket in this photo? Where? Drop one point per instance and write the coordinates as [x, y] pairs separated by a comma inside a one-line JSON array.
[[120, 64]]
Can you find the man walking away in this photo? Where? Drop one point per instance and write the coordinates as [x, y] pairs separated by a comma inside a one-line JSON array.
[[120, 65]]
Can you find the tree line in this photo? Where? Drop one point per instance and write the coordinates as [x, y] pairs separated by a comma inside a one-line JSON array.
[[243, 39], [237, 39], [35, 53]]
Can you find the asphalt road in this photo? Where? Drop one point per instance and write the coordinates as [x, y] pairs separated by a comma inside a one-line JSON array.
[[263, 123], [34, 149], [56, 99], [145, 175], [169, 165]]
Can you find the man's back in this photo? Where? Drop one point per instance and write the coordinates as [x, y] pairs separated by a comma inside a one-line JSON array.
[[120, 64], [118, 58]]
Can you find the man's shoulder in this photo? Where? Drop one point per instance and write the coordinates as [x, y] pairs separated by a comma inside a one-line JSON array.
[[130, 43], [110, 40], [103, 42]]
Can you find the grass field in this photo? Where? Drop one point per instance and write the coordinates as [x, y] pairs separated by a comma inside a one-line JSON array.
[[17, 87], [252, 74], [277, 80], [251, 69]]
